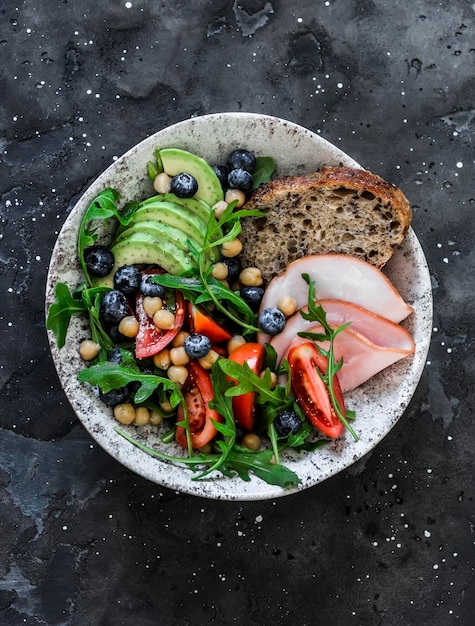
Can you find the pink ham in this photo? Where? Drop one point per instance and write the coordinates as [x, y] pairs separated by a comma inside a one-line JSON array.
[[376, 329], [338, 277], [362, 359]]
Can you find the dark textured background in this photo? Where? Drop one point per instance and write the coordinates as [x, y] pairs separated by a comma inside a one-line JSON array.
[[84, 541]]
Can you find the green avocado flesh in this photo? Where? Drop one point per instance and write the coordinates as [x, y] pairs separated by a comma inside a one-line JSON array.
[[202, 209], [176, 161], [162, 233], [143, 248], [172, 214]]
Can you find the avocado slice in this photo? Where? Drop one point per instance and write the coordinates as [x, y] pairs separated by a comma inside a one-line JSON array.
[[142, 248], [202, 209], [160, 232], [173, 215], [176, 161]]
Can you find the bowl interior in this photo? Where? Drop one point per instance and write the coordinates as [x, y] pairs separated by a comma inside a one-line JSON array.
[[378, 404]]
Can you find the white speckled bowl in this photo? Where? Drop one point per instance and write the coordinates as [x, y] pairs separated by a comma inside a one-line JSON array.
[[379, 403]]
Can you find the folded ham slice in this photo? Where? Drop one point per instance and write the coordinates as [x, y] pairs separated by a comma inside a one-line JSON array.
[[338, 277], [369, 344]]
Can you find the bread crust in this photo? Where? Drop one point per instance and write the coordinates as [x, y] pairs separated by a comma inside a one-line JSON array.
[[336, 210]]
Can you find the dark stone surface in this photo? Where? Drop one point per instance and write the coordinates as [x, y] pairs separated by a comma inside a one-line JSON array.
[[83, 540]]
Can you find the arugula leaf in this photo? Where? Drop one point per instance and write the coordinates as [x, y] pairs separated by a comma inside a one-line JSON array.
[[61, 311], [316, 313], [239, 460], [102, 208], [155, 168], [67, 304], [263, 170], [223, 405], [248, 381], [108, 375]]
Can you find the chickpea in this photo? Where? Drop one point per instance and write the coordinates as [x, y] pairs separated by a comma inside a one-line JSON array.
[[179, 339], [219, 271], [155, 418], [178, 356], [251, 277], [273, 379], [164, 319], [89, 349], [162, 183], [142, 416], [219, 208], [152, 304], [251, 441], [208, 361], [235, 194], [129, 326], [166, 406], [177, 374], [235, 342], [162, 359], [124, 413], [287, 305], [232, 248]]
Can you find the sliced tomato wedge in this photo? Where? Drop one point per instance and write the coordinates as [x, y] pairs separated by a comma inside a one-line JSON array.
[[150, 339], [311, 392], [201, 322], [243, 406], [197, 391]]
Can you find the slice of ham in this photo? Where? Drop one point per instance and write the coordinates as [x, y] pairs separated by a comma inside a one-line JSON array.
[[362, 359], [376, 329], [368, 345], [338, 277]]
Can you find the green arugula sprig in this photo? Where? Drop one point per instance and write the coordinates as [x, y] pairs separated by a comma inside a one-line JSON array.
[[81, 300], [108, 375], [85, 298], [102, 208], [229, 458], [238, 461], [316, 313], [230, 223], [200, 287]]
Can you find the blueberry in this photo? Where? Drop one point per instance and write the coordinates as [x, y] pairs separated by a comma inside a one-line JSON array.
[[184, 185], [114, 396], [99, 260], [234, 266], [240, 179], [197, 345], [115, 356], [272, 321], [242, 159], [253, 296], [287, 422], [113, 307], [116, 335], [127, 279], [148, 288], [221, 172]]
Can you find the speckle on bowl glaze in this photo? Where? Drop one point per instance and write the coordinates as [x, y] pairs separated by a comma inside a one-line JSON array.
[[378, 404]]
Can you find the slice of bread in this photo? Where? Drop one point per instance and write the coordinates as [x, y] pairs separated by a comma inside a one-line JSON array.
[[336, 210]]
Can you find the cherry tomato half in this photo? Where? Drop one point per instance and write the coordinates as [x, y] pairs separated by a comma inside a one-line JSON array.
[[243, 406], [201, 322], [311, 392], [150, 339], [197, 391]]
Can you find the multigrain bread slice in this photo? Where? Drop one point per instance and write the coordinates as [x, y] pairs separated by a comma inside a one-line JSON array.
[[336, 210]]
